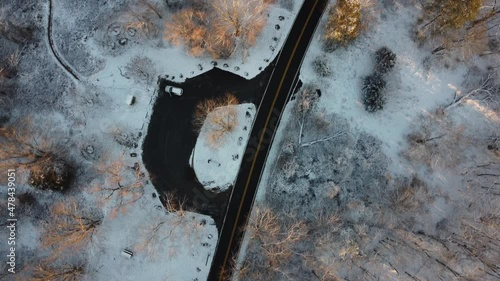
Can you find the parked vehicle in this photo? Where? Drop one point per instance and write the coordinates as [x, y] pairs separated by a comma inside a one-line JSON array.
[[176, 91]]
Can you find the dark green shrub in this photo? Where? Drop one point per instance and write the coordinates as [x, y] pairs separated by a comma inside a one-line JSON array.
[[373, 98], [385, 60], [26, 199], [322, 67]]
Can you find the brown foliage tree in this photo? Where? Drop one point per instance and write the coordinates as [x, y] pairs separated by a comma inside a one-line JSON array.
[[344, 22], [465, 26], [226, 26], [140, 19], [236, 21]]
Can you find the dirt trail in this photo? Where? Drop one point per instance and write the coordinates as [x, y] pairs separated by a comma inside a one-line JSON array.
[[58, 57]]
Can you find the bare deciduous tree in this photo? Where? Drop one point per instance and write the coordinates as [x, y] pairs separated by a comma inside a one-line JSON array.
[[219, 116], [188, 27], [276, 237], [466, 42], [485, 91], [8, 71], [305, 106], [7, 87], [23, 146], [122, 185], [140, 68], [28, 149], [409, 195], [140, 19], [9, 65], [226, 26], [46, 272], [172, 226], [174, 205], [436, 141], [70, 228]]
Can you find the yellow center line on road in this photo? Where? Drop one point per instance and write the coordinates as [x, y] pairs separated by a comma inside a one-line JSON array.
[[262, 137]]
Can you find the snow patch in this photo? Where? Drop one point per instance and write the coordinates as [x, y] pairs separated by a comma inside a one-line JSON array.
[[217, 168]]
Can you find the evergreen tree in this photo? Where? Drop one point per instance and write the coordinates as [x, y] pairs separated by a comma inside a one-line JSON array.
[[385, 60], [373, 98]]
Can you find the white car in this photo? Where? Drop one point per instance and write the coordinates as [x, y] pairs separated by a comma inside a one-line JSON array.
[[173, 90]]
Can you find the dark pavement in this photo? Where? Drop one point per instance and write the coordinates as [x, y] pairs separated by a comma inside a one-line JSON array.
[[279, 88], [171, 136]]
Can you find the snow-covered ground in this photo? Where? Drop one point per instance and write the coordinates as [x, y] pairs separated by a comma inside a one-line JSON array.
[[414, 86], [184, 242], [90, 117], [354, 175], [412, 89], [175, 64], [217, 167], [162, 243]]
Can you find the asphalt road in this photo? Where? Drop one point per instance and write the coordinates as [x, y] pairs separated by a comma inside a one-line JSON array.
[[171, 136], [269, 112]]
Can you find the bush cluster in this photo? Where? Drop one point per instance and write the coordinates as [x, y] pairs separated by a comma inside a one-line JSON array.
[[27, 199], [374, 84], [385, 60], [141, 69], [54, 175], [322, 67], [373, 98]]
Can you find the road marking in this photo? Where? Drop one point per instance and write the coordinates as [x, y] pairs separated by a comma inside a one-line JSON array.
[[262, 136]]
